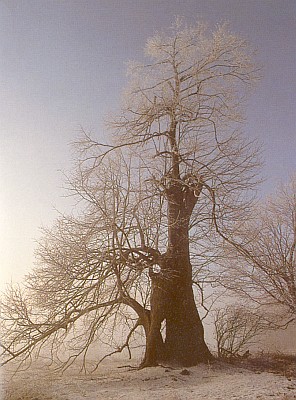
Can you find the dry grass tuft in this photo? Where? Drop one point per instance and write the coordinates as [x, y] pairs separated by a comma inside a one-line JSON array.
[[277, 363], [27, 390]]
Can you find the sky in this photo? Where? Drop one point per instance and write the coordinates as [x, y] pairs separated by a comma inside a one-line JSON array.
[[63, 66]]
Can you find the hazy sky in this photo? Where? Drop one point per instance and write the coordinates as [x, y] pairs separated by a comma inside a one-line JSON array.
[[62, 65]]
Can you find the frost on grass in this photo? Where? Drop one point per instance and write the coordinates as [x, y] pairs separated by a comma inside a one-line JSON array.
[[16, 391], [29, 384], [19, 390], [216, 381]]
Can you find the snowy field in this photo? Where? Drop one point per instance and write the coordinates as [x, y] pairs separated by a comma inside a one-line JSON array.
[[113, 382]]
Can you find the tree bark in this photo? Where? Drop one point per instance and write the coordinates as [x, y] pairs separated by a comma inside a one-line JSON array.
[[172, 298]]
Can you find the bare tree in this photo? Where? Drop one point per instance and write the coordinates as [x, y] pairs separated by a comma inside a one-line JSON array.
[[92, 270], [261, 263], [236, 328], [177, 167]]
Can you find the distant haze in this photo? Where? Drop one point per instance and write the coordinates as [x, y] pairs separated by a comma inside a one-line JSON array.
[[63, 66]]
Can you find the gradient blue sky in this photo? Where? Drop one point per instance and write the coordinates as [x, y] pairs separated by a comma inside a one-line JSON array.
[[62, 65]]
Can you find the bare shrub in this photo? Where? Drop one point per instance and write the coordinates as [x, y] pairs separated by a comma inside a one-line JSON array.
[[235, 329]]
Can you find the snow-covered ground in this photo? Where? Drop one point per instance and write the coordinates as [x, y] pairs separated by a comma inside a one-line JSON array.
[[108, 382]]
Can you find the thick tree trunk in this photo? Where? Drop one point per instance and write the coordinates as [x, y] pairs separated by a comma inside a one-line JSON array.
[[184, 342], [172, 298], [155, 352]]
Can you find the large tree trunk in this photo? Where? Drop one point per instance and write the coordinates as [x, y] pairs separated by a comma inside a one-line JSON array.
[[184, 343], [172, 298]]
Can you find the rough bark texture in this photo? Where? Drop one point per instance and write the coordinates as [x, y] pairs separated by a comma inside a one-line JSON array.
[[172, 298]]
